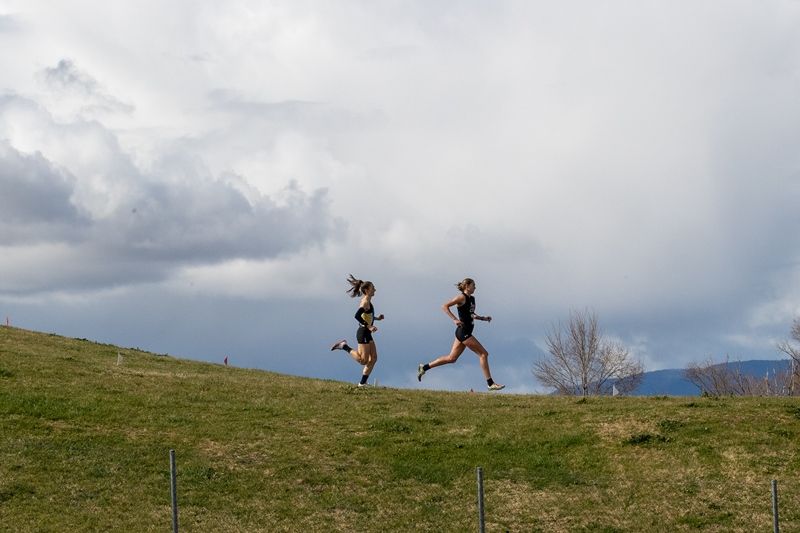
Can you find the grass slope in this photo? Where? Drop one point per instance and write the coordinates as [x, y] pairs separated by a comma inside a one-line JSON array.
[[84, 445]]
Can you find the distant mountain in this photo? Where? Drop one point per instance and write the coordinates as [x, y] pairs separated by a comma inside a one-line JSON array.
[[671, 382]]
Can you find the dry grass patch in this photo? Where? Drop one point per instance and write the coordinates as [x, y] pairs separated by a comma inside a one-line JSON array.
[[615, 431]]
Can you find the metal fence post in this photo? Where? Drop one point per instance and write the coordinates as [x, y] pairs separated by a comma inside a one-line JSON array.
[[775, 525], [481, 522], [173, 490]]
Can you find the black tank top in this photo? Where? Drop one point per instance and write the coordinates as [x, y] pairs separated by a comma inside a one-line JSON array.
[[466, 310], [366, 317]]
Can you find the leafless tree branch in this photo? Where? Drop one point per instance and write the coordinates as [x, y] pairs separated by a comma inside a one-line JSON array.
[[726, 379], [581, 361]]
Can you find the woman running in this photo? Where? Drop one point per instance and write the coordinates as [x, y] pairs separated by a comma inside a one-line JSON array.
[[367, 354], [465, 323]]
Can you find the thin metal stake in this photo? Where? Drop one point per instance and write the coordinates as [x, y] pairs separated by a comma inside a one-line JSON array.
[[776, 527], [173, 490], [481, 522]]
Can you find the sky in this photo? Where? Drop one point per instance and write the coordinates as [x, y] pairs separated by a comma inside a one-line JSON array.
[[198, 178]]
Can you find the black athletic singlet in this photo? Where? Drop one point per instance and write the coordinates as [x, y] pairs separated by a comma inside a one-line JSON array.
[[465, 315], [365, 317]]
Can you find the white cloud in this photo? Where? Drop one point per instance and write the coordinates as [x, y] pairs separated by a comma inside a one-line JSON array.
[[78, 94]]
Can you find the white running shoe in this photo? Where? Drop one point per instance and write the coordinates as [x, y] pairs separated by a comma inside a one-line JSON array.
[[496, 386], [420, 371], [339, 345]]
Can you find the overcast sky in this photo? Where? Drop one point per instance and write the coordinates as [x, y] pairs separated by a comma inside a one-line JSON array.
[[198, 178]]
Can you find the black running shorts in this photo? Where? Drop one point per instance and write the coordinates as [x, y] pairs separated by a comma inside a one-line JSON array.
[[464, 331], [364, 335]]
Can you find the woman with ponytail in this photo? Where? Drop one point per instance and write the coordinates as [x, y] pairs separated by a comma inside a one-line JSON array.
[[367, 353], [465, 323]]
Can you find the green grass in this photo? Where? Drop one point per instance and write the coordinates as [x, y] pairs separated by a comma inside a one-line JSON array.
[[84, 445]]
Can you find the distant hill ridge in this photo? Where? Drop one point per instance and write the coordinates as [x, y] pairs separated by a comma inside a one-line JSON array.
[[671, 382]]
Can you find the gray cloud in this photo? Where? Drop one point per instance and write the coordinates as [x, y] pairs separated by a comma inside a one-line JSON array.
[[35, 200], [101, 221], [65, 75], [227, 100], [8, 24], [68, 80], [314, 117], [212, 221]]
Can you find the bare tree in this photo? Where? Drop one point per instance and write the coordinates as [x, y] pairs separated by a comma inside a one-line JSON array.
[[789, 348], [726, 379], [582, 361], [708, 376]]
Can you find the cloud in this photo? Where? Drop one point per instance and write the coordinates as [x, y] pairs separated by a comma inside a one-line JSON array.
[[36, 200], [209, 221], [67, 77], [103, 221], [640, 160], [8, 24], [76, 88]]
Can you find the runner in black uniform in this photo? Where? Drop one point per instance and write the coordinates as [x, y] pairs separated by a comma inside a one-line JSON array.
[[365, 318], [367, 353], [465, 323], [466, 312]]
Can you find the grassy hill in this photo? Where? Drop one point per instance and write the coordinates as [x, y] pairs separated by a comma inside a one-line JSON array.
[[84, 445]]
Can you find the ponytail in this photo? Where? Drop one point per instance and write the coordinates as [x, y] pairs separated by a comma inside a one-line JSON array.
[[357, 287], [462, 285]]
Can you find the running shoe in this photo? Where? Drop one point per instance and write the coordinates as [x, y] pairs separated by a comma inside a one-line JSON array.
[[339, 345], [496, 386], [420, 371]]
